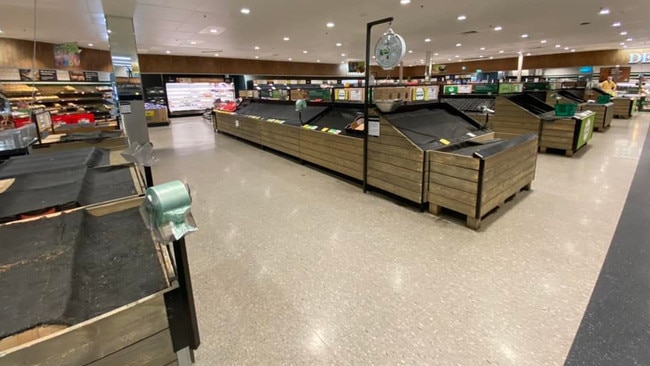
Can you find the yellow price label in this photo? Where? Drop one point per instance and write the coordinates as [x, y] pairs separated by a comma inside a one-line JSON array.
[[149, 113], [444, 141]]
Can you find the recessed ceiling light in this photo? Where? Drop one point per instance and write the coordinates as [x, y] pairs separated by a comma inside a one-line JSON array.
[[501, 51], [498, 28], [629, 39], [435, 54], [566, 48], [616, 24], [524, 35], [213, 30], [480, 56], [622, 44], [542, 41], [603, 11], [573, 50], [257, 56], [519, 52], [458, 44], [558, 45], [317, 60], [404, 2], [257, 47], [461, 60], [625, 46], [290, 59], [528, 54], [342, 62], [245, 11], [89, 44], [339, 44], [286, 38], [216, 55], [374, 57], [491, 57], [427, 40], [305, 51], [457, 56], [109, 31], [330, 25], [482, 48], [343, 55], [448, 59], [1, 31], [193, 42], [624, 33], [461, 17], [410, 51], [168, 52]]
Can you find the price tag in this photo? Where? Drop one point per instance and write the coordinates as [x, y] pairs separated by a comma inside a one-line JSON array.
[[445, 142]]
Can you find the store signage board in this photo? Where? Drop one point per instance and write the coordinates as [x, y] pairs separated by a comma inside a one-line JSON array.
[[465, 89], [356, 95], [432, 92], [374, 127], [47, 75], [62, 75], [28, 75], [419, 94], [639, 58], [451, 89], [125, 108], [9, 74], [92, 76], [341, 94]]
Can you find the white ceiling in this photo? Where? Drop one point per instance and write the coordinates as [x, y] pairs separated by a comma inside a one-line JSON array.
[[172, 25]]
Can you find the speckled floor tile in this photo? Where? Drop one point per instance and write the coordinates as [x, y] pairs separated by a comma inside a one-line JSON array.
[[294, 266]]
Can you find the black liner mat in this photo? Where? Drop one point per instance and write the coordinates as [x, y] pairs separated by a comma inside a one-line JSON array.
[[470, 104], [426, 126], [65, 188], [73, 267], [337, 118], [90, 157], [487, 148], [571, 95], [284, 112], [531, 104], [90, 136]]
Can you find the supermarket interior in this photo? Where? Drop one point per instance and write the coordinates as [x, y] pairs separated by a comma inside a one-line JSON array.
[[383, 182]]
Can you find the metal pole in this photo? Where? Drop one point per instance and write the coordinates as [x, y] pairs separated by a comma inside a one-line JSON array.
[[366, 104]]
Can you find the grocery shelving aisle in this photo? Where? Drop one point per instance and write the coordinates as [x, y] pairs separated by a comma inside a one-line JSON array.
[[294, 266]]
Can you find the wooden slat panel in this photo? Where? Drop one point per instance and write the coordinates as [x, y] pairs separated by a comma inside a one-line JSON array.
[[505, 193], [410, 164], [445, 180], [452, 205], [413, 187], [413, 175], [94, 339], [508, 179], [452, 159], [510, 154], [354, 173], [527, 158], [308, 155], [457, 172], [396, 190], [411, 153], [318, 150], [452, 193], [156, 350]]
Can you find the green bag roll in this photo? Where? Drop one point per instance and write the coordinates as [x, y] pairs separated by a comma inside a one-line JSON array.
[[166, 209]]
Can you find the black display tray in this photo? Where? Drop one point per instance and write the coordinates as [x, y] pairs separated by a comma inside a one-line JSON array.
[[530, 103], [426, 125], [470, 104], [73, 267], [280, 110], [339, 118], [90, 157], [571, 95]]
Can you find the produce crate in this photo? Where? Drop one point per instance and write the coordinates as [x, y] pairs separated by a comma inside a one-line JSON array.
[[603, 99], [565, 110]]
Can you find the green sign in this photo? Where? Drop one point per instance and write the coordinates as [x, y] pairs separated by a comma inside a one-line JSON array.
[[507, 88], [451, 89], [586, 130], [485, 89]]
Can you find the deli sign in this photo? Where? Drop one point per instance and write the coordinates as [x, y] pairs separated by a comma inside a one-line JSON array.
[[639, 58]]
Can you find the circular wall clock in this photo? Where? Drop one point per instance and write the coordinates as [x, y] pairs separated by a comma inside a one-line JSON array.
[[389, 50]]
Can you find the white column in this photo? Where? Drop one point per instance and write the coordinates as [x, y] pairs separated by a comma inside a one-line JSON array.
[[520, 65]]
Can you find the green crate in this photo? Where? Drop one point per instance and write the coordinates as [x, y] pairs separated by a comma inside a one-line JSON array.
[[603, 99], [565, 110]]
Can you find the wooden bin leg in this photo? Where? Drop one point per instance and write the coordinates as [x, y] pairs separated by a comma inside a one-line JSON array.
[[435, 209], [473, 222]]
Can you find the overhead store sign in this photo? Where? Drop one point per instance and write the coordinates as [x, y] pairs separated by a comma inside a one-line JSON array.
[[640, 58]]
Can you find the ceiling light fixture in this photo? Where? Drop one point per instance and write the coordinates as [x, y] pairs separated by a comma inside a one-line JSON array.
[[342, 62], [624, 33], [317, 60], [458, 44], [89, 44], [501, 51], [542, 41], [480, 56], [290, 59], [1, 31], [498, 28], [286, 38], [603, 11], [558, 45], [622, 44], [461, 17], [435, 54], [625, 46], [257, 56], [305, 51], [245, 11], [168, 52], [573, 50], [629, 39], [256, 47], [330, 25], [339, 44], [616, 24], [193, 42], [213, 30], [457, 56], [404, 2], [524, 35], [343, 55], [216, 55], [427, 40], [566, 48], [410, 51], [482, 48], [491, 57], [528, 54], [109, 31]]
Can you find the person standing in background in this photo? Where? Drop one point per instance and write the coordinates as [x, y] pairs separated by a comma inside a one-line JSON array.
[[608, 85]]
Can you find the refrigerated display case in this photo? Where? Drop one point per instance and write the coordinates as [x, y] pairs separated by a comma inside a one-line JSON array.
[[194, 98]]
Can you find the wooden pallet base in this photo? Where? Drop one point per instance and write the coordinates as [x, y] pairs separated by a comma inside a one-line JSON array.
[[544, 150], [475, 222]]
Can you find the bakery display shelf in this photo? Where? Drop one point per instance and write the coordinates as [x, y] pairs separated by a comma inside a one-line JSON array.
[[105, 281], [623, 107], [522, 114]]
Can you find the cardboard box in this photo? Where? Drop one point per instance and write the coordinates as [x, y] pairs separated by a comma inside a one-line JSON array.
[[157, 116]]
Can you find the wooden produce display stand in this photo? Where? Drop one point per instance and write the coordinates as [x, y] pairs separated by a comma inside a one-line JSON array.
[[477, 181], [624, 107], [523, 114], [135, 333], [604, 111]]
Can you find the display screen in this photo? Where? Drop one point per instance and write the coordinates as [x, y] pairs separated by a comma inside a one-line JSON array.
[[197, 96], [586, 69]]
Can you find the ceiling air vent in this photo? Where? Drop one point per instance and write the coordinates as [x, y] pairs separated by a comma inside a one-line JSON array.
[[470, 32]]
